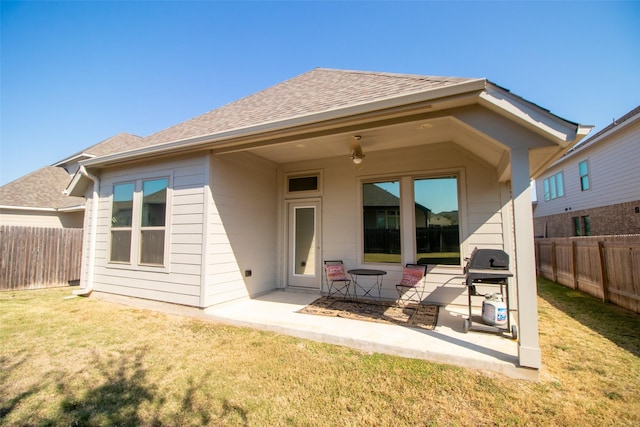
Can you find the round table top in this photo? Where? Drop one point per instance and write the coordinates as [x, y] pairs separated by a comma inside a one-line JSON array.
[[366, 272]]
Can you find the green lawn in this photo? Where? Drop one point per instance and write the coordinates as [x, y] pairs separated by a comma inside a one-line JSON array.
[[87, 362]]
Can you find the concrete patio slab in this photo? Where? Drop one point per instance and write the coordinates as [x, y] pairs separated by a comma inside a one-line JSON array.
[[277, 312]]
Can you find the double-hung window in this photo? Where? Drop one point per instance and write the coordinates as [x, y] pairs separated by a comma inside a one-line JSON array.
[[553, 186], [121, 222], [138, 222], [583, 167]]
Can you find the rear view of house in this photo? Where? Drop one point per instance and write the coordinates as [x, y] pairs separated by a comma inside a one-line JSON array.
[[375, 169]]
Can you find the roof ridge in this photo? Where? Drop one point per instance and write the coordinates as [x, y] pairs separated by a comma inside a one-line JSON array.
[[613, 124], [390, 74]]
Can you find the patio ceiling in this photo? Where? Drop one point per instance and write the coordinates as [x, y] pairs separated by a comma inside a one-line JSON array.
[[395, 136], [436, 127]]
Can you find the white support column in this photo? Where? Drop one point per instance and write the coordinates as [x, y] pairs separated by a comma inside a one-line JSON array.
[[525, 270]]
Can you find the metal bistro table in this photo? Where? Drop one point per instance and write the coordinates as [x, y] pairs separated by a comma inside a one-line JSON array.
[[369, 285]]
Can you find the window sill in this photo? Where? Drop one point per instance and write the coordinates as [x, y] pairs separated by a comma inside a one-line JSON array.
[[141, 267]]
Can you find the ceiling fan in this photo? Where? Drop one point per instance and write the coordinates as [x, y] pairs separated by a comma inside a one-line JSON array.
[[356, 151]]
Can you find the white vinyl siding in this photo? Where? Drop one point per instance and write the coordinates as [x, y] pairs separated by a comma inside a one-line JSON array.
[[241, 228], [613, 175], [180, 280]]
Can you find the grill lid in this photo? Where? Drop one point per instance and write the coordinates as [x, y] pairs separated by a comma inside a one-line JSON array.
[[488, 259]]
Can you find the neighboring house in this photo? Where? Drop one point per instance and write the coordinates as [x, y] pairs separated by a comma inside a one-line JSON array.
[[37, 199], [595, 188], [257, 193]]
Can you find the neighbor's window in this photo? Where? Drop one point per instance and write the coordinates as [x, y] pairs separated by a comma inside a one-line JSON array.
[[138, 219], [582, 226], [584, 175], [577, 231], [121, 220], [381, 220], [436, 221], [586, 225], [553, 187], [152, 225]]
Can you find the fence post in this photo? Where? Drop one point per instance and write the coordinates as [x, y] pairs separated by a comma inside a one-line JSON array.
[[603, 271], [554, 264], [574, 266]]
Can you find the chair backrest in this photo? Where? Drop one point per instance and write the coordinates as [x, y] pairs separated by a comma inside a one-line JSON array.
[[335, 270], [412, 274]]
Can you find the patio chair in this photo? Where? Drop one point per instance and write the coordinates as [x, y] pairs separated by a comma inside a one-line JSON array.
[[412, 283], [336, 277]]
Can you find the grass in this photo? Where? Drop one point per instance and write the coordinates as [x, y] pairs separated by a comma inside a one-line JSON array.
[[87, 362]]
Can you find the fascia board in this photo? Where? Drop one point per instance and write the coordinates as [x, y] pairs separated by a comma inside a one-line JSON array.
[[74, 188], [28, 208], [72, 158], [605, 135], [78, 208], [561, 131], [34, 209], [283, 125]]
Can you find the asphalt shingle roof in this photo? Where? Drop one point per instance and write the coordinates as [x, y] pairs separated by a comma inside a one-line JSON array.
[[313, 92], [40, 189], [116, 144], [43, 187], [317, 91]]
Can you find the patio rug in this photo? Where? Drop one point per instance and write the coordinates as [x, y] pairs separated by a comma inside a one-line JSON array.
[[417, 316]]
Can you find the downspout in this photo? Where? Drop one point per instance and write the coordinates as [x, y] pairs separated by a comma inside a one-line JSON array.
[[94, 233]]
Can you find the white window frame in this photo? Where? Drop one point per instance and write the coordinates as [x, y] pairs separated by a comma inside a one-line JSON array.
[[136, 226], [552, 190], [587, 175], [407, 212], [304, 174]]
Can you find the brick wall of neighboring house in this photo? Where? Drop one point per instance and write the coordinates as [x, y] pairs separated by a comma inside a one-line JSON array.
[[623, 218]]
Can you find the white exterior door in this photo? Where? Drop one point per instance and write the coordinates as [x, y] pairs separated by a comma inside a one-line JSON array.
[[303, 254]]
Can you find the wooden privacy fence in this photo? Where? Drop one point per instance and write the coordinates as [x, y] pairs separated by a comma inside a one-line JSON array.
[[33, 257], [607, 267]]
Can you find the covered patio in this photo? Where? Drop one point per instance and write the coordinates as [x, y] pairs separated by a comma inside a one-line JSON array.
[[366, 168], [278, 312]]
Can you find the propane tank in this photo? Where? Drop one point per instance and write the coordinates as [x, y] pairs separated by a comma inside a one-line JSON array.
[[494, 310]]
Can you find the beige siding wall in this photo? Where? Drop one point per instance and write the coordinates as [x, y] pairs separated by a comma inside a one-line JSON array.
[[25, 218], [181, 281], [480, 204], [242, 223]]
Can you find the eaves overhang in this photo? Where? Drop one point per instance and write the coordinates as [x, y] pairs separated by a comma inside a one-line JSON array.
[[78, 185], [78, 208], [74, 158], [304, 123], [597, 138], [563, 132]]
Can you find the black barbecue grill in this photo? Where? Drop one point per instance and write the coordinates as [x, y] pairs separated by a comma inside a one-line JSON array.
[[488, 267]]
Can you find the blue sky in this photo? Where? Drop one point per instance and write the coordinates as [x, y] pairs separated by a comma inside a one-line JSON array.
[[76, 73]]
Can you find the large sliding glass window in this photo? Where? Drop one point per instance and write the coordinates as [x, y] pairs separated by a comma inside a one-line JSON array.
[[381, 219], [436, 221]]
